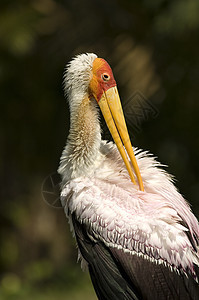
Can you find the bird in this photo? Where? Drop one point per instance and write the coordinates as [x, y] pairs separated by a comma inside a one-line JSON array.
[[136, 234]]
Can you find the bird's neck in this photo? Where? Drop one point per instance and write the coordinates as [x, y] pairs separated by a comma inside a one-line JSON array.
[[83, 142]]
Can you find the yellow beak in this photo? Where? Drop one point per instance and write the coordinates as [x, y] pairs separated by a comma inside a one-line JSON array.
[[111, 108]]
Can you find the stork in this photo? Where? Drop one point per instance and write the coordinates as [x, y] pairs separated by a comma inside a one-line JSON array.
[[135, 232]]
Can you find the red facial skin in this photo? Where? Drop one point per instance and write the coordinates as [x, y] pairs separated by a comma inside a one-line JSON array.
[[102, 79]]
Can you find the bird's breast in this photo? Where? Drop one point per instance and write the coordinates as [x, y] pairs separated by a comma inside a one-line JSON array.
[[128, 221]]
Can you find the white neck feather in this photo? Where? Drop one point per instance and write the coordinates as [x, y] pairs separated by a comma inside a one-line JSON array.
[[83, 143]]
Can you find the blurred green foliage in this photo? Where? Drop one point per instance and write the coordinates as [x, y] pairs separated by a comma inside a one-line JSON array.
[[153, 48]]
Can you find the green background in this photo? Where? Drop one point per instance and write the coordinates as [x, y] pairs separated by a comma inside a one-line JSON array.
[[153, 49]]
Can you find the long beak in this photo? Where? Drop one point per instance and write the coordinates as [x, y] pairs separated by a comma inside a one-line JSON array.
[[112, 111]]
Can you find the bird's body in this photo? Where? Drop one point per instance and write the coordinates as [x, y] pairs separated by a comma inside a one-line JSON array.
[[137, 243]]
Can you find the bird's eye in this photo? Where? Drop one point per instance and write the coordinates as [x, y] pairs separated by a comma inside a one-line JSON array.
[[105, 76]]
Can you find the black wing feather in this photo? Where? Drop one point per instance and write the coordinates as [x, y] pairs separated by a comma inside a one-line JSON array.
[[157, 281], [120, 275], [106, 277]]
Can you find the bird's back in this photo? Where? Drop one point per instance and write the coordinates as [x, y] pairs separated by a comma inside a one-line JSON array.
[[137, 245]]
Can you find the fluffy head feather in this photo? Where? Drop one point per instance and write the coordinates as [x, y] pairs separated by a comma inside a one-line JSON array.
[[77, 77]]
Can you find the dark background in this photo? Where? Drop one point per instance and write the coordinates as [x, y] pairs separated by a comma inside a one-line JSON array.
[[153, 48]]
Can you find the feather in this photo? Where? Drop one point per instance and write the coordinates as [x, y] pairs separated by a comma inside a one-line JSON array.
[[119, 275], [137, 244]]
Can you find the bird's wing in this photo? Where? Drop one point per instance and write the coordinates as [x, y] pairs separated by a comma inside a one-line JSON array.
[[132, 243], [105, 274], [117, 274]]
